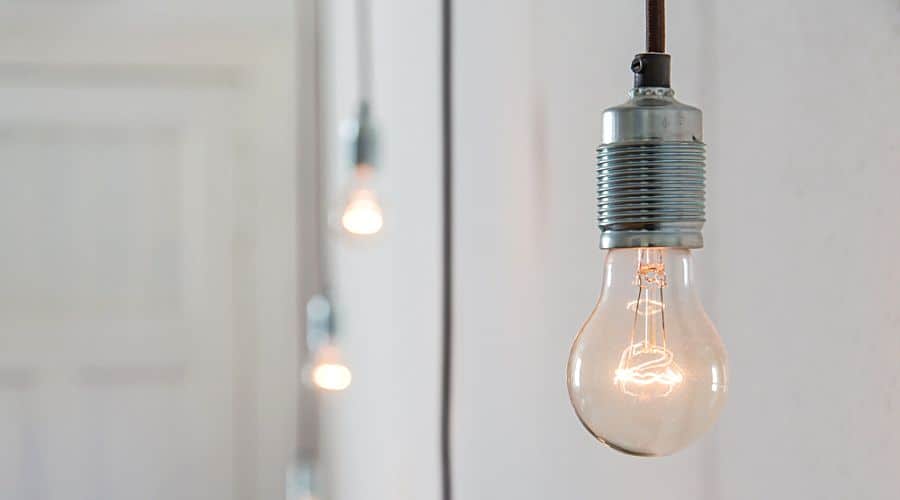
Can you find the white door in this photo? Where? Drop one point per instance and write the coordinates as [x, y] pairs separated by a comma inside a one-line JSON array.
[[118, 367]]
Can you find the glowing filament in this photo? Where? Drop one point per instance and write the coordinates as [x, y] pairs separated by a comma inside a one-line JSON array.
[[652, 307], [363, 214], [647, 368], [647, 371]]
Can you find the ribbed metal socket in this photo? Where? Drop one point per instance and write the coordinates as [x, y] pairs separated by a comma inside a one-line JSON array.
[[651, 173]]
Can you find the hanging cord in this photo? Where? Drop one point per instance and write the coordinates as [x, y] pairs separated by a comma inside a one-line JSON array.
[[652, 68], [364, 50], [447, 270], [656, 25]]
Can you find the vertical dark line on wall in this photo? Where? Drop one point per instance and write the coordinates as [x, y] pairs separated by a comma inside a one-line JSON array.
[[310, 255], [321, 187], [309, 410], [321, 246], [447, 264]]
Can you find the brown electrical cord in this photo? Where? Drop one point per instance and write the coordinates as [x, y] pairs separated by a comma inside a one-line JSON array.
[[656, 25]]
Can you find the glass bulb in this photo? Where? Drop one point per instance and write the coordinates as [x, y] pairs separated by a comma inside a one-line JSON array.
[[329, 372], [647, 371], [362, 213]]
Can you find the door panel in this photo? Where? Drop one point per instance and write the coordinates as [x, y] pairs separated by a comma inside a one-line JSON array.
[[116, 328]]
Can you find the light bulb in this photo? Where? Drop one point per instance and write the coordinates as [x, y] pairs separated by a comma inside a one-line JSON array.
[[362, 213], [329, 371], [647, 371]]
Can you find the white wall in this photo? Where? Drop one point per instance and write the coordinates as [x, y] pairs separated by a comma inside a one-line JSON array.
[[798, 273], [803, 244], [380, 435]]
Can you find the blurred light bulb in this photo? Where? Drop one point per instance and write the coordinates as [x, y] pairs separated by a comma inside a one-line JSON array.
[[647, 371], [329, 371], [362, 214]]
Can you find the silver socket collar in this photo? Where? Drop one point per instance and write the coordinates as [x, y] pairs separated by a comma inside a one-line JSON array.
[[651, 173]]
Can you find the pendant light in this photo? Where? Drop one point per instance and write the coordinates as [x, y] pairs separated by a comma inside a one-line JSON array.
[[647, 371], [361, 212], [328, 371]]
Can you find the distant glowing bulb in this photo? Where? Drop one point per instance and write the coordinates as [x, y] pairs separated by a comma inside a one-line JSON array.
[[647, 371], [329, 372], [362, 215], [332, 377]]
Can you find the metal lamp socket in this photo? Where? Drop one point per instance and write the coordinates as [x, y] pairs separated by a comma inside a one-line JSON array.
[[651, 176]]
